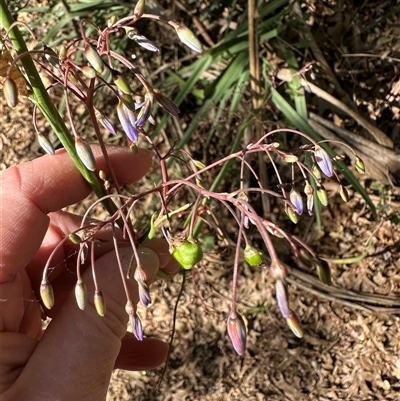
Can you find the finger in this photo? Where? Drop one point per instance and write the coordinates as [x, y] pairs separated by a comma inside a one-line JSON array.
[[141, 355], [32, 190], [80, 347]]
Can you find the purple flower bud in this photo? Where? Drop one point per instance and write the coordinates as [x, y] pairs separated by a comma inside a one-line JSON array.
[[145, 111], [323, 160], [237, 332], [282, 299], [105, 122], [296, 200], [136, 325], [128, 122], [144, 294], [145, 42]]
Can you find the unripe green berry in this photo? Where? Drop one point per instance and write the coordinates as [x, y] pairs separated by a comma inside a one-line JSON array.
[[253, 256], [187, 253]]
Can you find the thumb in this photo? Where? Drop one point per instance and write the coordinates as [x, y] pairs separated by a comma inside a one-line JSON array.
[[75, 358]]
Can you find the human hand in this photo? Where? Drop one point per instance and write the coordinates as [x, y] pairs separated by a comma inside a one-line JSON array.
[[75, 356]]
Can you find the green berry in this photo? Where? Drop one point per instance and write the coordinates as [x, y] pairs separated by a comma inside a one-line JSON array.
[[187, 253], [253, 256]]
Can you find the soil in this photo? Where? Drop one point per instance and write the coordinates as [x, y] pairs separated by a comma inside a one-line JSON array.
[[351, 344]]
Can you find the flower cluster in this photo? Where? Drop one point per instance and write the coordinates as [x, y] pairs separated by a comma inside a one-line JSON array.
[[104, 69]]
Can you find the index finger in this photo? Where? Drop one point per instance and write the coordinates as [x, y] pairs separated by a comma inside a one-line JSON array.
[[29, 191]]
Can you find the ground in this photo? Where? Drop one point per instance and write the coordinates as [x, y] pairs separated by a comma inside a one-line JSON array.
[[351, 344]]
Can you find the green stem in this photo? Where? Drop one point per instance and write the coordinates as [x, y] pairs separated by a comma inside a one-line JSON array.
[[44, 102]]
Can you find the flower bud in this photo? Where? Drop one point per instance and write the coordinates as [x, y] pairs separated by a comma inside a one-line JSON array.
[[273, 230], [360, 166], [85, 153], [45, 144], [136, 325], [323, 160], [62, 52], [188, 38], [129, 308], [128, 101], [344, 193], [253, 256], [187, 253], [199, 164], [139, 9], [308, 189], [52, 57], [128, 122], [140, 274], [316, 173], [144, 294], [145, 111], [94, 58], [296, 200], [278, 270], [105, 122], [75, 238], [289, 158], [295, 325], [10, 90], [282, 299], [322, 195], [167, 104], [144, 42], [306, 258], [100, 303], [310, 204], [47, 293], [122, 84], [88, 72], [323, 271], [291, 214], [81, 294], [112, 21], [237, 332]]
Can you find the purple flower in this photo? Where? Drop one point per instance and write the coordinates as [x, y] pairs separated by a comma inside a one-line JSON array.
[[323, 160], [127, 119]]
